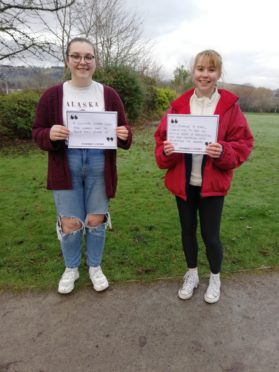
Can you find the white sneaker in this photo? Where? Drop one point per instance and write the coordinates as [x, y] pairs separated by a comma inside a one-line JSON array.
[[99, 280], [212, 293], [191, 281], [67, 281]]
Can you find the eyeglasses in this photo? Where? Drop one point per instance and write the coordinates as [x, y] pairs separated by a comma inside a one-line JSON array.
[[88, 58]]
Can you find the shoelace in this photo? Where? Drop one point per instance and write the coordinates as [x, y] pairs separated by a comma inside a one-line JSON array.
[[189, 281], [214, 286], [68, 275], [97, 274]]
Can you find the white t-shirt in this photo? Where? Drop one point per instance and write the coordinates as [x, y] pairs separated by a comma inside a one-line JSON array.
[[90, 98], [201, 106]]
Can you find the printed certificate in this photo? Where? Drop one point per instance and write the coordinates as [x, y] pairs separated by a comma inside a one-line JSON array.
[[192, 133], [94, 130]]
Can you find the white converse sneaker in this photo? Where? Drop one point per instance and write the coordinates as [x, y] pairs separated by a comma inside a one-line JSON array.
[[99, 280], [67, 281], [212, 293], [191, 281]]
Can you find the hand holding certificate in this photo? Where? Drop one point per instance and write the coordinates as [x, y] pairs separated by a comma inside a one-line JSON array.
[[191, 133], [95, 130]]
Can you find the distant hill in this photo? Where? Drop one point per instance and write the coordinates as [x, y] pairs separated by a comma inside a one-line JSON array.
[[20, 77], [13, 78]]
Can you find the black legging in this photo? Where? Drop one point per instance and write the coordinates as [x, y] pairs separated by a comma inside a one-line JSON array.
[[210, 212]]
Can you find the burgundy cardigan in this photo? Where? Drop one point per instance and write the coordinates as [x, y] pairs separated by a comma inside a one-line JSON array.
[[48, 113]]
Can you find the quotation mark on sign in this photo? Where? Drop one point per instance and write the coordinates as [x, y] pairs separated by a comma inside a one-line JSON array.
[[109, 139], [74, 117], [174, 121]]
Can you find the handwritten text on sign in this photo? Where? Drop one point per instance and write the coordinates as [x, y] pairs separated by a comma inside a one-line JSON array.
[[95, 130], [191, 133]]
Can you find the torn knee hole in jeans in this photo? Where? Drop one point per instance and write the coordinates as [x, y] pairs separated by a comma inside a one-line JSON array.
[[98, 222], [68, 225]]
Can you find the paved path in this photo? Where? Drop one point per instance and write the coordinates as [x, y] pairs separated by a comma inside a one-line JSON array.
[[144, 327]]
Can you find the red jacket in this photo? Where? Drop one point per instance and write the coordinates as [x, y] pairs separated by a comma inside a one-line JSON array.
[[49, 112], [234, 135]]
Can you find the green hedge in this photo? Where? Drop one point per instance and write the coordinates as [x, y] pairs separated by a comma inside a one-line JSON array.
[[139, 96], [17, 114], [128, 85]]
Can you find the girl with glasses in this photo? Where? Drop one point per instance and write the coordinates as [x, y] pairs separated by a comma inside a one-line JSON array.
[[82, 179]]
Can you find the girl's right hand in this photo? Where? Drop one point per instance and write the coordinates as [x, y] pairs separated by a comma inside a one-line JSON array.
[[58, 133]]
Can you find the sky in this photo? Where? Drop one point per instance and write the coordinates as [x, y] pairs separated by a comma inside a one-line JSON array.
[[244, 32]]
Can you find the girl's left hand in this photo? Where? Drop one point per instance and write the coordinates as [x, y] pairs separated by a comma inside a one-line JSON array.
[[122, 133], [214, 150]]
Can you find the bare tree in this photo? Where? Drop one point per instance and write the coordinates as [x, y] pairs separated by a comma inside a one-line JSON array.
[[116, 34], [254, 99], [18, 26]]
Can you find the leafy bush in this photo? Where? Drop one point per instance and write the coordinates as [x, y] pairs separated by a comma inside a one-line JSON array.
[[163, 98], [128, 85], [17, 114], [158, 99]]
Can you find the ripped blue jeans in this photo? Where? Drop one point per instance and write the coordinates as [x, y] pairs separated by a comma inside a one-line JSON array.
[[87, 197]]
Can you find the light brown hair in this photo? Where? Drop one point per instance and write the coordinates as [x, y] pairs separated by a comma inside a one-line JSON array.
[[78, 40], [212, 57]]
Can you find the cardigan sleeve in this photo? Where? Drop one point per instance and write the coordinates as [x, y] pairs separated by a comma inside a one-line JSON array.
[[46, 116]]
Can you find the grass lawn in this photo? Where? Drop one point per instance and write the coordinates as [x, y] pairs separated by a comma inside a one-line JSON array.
[[144, 243]]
